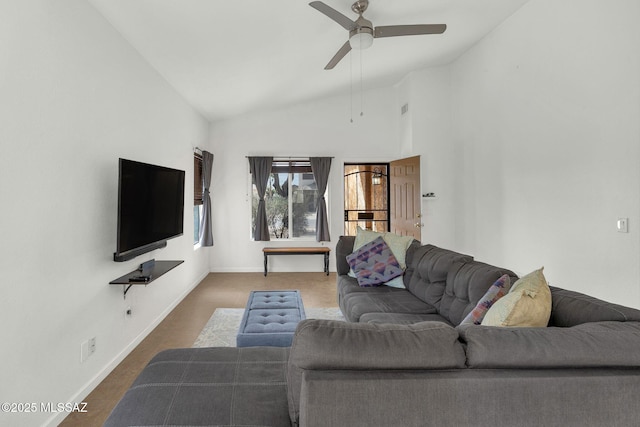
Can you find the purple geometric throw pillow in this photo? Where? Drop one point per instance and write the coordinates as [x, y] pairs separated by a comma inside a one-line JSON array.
[[496, 291], [374, 263]]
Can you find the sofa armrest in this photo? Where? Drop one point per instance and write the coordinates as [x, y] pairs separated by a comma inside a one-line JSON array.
[[335, 345], [571, 308], [343, 248], [590, 345]]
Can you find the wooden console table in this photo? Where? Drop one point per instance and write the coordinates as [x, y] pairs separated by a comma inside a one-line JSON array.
[[318, 250]]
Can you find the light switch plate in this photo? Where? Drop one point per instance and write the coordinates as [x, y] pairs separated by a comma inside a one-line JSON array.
[[623, 225]]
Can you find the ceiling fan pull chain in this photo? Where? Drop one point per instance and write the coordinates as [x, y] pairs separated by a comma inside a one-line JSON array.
[[351, 86], [361, 92]]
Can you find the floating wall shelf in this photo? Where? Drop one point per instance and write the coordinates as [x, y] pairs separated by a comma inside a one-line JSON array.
[[137, 277]]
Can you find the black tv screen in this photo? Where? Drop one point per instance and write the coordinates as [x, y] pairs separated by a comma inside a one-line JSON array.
[[150, 207]]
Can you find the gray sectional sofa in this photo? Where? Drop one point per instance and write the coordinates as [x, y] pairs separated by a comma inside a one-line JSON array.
[[403, 359]]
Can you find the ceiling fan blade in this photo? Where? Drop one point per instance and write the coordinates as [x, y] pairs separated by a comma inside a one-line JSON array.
[[347, 23], [346, 48], [408, 30]]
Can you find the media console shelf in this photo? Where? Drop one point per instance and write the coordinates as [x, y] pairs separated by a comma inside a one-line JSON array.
[[153, 272]]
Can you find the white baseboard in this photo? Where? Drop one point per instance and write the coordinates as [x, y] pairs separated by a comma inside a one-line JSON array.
[[100, 376], [237, 270], [261, 270]]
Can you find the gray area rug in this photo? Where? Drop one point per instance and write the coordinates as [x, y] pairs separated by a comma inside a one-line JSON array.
[[222, 327]]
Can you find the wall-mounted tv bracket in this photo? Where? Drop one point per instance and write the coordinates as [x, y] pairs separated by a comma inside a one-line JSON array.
[[145, 274]]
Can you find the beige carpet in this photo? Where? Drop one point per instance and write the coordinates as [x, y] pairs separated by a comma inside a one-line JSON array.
[[222, 327]]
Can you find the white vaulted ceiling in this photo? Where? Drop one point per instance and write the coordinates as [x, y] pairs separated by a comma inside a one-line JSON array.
[[228, 57]]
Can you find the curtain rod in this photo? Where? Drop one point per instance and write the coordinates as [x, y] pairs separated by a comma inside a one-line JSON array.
[[289, 158]]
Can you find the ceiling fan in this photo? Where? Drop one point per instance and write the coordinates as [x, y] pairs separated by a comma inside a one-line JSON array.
[[362, 31]]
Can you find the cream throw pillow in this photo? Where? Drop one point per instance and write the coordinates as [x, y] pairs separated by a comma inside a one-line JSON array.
[[527, 304], [364, 236], [399, 245]]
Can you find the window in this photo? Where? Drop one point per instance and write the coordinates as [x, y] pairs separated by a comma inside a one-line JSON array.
[[198, 192], [290, 201]]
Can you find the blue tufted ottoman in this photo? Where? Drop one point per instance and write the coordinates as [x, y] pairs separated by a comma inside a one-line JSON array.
[[270, 319]]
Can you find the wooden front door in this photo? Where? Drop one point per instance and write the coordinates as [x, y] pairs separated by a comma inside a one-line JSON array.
[[404, 198]]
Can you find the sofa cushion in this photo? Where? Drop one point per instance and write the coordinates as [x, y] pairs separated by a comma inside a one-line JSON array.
[[528, 303], [499, 289], [402, 318], [570, 308], [362, 346], [466, 283], [424, 345], [602, 344], [427, 270], [374, 263], [355, 304], [347, 285]]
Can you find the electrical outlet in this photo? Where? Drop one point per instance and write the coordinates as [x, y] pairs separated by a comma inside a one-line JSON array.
[[84, 351], [92, 345]]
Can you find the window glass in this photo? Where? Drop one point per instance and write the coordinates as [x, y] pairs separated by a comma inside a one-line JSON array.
[[198, 191], [304, 196], [196, 224], [290, 201]]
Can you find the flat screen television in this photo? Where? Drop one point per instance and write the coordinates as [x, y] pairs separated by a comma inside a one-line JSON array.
[[150, 208]]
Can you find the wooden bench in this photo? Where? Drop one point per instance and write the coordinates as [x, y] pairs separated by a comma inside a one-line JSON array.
[[315, 250]]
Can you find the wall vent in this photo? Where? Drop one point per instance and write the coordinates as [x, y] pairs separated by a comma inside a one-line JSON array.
[[404, 109]]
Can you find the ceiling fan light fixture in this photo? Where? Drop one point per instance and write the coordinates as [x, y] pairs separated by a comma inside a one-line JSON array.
[[361, 38], [361, 30]]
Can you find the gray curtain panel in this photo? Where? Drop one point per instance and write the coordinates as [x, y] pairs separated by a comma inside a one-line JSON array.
[[206, 235], [320, 166], [260, 170]]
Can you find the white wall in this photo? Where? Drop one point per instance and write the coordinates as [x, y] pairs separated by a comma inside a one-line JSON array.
[[320, 128], [547, 120], [426, 130], [74, 96]]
